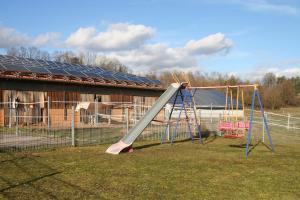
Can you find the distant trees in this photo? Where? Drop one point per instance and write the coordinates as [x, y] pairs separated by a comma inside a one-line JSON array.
[[279, 91], [67, 57], [28, 52]]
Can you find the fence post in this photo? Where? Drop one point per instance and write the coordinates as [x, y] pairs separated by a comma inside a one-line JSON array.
[[48, 112], [10, 112], [288, 122], [17, 120], [127, 119], [73, 126], [96, 110], [211, 113], [109, 117]]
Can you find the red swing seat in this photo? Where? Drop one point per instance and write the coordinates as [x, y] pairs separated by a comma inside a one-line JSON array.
[[226, 126], [242, 125], [231, 129]]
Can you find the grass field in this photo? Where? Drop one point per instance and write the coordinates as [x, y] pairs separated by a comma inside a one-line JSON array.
[[216, 170]]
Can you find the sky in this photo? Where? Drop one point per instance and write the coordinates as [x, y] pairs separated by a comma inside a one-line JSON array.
[[246, 38]]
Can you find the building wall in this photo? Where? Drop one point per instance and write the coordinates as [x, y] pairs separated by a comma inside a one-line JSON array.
[[33, 107]]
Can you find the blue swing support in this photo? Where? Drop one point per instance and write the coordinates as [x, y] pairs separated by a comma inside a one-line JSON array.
[[186, 95], [256, 94], [186, 99]]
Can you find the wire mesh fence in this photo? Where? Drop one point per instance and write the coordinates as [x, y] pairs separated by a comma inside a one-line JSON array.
[[37, 125]]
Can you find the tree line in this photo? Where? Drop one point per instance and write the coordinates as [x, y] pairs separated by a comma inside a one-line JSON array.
[[276, 92]]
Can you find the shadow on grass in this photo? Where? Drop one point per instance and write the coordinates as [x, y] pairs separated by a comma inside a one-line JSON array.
[[268, 147], [48, 175], [174, 142], [252, 147]]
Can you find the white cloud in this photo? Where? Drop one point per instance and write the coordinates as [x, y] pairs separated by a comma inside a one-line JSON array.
[[10, 37], [50, 38], [259, 73], [157, 57], [161, 56], [209, 45], [120, 36], [267, 6], [127, 42], [81, 37]]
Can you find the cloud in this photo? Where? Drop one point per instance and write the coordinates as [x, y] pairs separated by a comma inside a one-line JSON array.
[[209, 45], [50, 38], [259, 73], [160, 56], [129, 43], [157, 57], [265, 6], [117, 37], [10, 37]]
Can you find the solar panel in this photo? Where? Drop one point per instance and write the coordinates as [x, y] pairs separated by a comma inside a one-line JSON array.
[[92, 75], [11, 63], [75, 73], [145, 80], [121, 76], [133, 78], [2, 68], [58, 72], [11, 67], [41, 70], [107, 75]]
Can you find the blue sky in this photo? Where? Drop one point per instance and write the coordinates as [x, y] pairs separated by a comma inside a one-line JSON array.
[[246, 38]]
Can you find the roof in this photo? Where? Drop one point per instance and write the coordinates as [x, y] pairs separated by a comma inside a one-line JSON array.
[[207, 99], [33, 69]]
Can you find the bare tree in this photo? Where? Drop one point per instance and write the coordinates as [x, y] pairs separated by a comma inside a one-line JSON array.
[[28, 52]]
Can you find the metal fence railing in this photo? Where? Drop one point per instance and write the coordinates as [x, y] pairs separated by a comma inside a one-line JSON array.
[[53, 124]]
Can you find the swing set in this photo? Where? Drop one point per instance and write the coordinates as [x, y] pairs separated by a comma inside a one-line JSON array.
[[230, 125]]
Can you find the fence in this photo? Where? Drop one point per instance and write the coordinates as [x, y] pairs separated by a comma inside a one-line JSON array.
[[49, 124]]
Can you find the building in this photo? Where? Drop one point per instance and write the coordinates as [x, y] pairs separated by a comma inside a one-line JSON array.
[[210, 104], [44, 92]]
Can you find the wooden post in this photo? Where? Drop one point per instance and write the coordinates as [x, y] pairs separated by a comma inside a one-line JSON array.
[[48, 112], [17, 119], [127, 119], [96, 110], [10, 112], [109, 118], [73, 126]]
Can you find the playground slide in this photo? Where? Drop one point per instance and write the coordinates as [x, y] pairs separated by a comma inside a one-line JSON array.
[[128, 139]]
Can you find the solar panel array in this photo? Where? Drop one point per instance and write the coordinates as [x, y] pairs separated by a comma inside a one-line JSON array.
[[11, 63]]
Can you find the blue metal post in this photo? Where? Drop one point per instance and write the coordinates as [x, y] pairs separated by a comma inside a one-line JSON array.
[[177, 122], [186, 117], [265, 121], [170, 115], [198, 126], [195, 114], [251, 122]]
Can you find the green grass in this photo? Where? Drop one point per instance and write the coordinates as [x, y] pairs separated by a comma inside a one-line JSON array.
[[216, 170]]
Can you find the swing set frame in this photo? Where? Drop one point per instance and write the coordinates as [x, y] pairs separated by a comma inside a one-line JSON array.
[[187, 97]]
